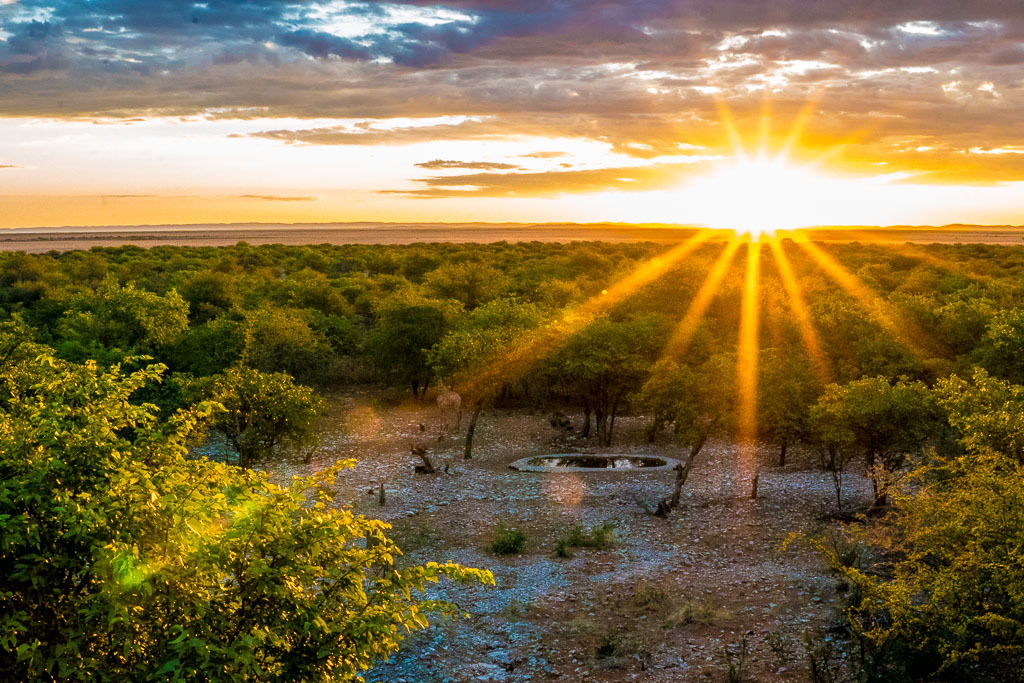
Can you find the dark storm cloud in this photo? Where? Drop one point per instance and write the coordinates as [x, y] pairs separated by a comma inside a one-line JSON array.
[[642, 76]]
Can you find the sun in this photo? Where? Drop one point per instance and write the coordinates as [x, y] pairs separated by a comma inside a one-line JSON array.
[[759, 196]]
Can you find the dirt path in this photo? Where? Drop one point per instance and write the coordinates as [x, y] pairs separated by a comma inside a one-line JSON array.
[[663, 603]]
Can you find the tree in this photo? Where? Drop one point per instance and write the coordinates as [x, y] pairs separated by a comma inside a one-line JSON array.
[[125, 318], [472, 356], [468, 282], [886, 421], [604, 363], [944, 597], [987, 413], [1002, 347], [696, 402], [209, 348], [263, 411], [210, 293], [281, 340], [123, 559], [786, 390], [399, 344]]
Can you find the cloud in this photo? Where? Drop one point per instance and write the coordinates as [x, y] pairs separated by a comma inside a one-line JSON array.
[[545, 155], [528, 184], [471, 165], [276, 198], [641, 76], [9, 166]]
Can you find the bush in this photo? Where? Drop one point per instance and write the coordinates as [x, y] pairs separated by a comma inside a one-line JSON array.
[[598, 537], [507, 541], [124, 560], [695, 611], [945, 597]]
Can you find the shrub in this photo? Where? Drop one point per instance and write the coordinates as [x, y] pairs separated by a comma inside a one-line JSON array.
[[598, 537], [695, 611], [734, 661], [124, 560], [507, 541], [945, 598]]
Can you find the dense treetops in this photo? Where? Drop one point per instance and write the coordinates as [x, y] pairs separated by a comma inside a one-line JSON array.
[[325, 314], [123, 556]]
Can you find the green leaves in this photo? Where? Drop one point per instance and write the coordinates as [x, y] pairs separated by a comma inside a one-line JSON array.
[[946, 595], [121, 559], [262, 411]]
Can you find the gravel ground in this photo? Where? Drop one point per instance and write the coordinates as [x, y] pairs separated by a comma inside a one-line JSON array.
[[663, 603]]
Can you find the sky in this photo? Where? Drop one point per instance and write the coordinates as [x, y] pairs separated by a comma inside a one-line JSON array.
[[775, 113]]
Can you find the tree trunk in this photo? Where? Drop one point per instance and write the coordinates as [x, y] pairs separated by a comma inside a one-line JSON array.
[[683, 473], [602, 425], [876, 489], [611, 423], [654, 429], [468, 455], [782, 452], [837, 477], [586, 419], [415, 388]]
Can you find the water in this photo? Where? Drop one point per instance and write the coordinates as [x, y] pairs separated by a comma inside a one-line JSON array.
[[598, 461]]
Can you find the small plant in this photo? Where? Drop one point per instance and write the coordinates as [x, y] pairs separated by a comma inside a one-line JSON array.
[[734, 662], [650, 595], [582, 626], [607, 647], [507, 541], [695, 611], [824, 660], [598, 537], [618, 650], [516, 609], [781, 646]]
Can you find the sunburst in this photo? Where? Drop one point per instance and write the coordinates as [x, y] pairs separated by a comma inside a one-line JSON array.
[[763, 199]]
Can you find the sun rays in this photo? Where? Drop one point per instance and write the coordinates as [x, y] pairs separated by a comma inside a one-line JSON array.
[[762, 195], [746, 364]]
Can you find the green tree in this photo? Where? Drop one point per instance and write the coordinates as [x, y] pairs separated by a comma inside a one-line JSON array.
[[606, 362], [986, 413], [787, 388], [210, 293], [468, 282], [123, 559], [281, 340], [475, 356], [886, 421], [263, 412], [1002, 347], [696, 402], [943, 598], [398, 346], [125, 318], [210, 347]]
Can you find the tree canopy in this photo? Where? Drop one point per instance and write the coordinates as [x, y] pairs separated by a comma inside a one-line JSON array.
[[123, 559]]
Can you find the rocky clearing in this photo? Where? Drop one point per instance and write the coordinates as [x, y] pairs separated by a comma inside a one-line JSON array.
[[664, 602]]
